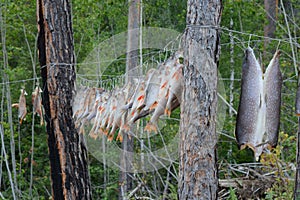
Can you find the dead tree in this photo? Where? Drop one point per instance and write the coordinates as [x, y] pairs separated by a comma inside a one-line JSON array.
[[67, 150], [197, 168]]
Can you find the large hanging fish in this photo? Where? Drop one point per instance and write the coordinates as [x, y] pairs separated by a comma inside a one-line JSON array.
[[259, 109], [273, 84]]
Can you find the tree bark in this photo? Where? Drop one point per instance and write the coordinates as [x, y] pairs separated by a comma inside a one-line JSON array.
[[132, 71], [297, 179], [198, 171], [271, 7], [67, 150]]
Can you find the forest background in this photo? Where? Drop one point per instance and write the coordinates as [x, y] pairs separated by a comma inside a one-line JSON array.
[[243, 23]]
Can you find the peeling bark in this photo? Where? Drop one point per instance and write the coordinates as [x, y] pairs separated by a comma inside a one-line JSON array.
[[67, 151], [198, 170]]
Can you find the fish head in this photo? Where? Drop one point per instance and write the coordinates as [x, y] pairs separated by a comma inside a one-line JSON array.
[[23, 92]]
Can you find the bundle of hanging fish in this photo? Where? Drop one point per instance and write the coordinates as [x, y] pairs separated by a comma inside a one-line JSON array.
[[158, 93], [36, 103], [258, 117]]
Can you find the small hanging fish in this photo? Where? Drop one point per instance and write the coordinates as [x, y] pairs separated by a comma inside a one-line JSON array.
[[175, 89], [138, 99], [93, 110], [78, 101], [21, 106], [100, 109], [37, 103], [161, 101]]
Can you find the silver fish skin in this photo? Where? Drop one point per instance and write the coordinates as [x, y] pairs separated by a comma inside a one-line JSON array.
[[249, 130], [273, 84]]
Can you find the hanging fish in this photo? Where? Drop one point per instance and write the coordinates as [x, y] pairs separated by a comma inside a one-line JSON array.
[[115, 113], [89, 103], [148, 80], [273, 84], [21, 106], [259, 109], [117, 122], [138, 99], [152, 90], [151, 95], [161, 101], [37, 103], [93, 110], [95, 131], [145, 94], [128, 94], [175, 89], [78, 101], [249, 131]]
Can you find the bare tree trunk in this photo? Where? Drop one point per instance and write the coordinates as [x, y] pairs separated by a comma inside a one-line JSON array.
[[197, 169], [132, 71], [297, 180], [68, 153], [271, 7]]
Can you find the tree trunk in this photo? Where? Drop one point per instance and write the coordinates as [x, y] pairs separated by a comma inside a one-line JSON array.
[[198, 171], [68, 153], [132, 71], [271, 7], [297, 179]]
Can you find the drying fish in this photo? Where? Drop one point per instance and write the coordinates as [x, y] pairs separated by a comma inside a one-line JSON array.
[[93, 111], [112, 109], [273, 84], [175, 89], [145, 93], [249, 126], [102, 112], [162, 101], [78, 101], [128, 94], [119, 112], [37, 103], [138, 98], [114, 112], [151, 95], [148, 80], [88, 103], [21, 106], [117, 122], [152, 90], [99, 112], [259, 110]]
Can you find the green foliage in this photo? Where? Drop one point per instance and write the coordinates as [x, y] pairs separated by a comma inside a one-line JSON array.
[[232, 195], [283, 187]]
